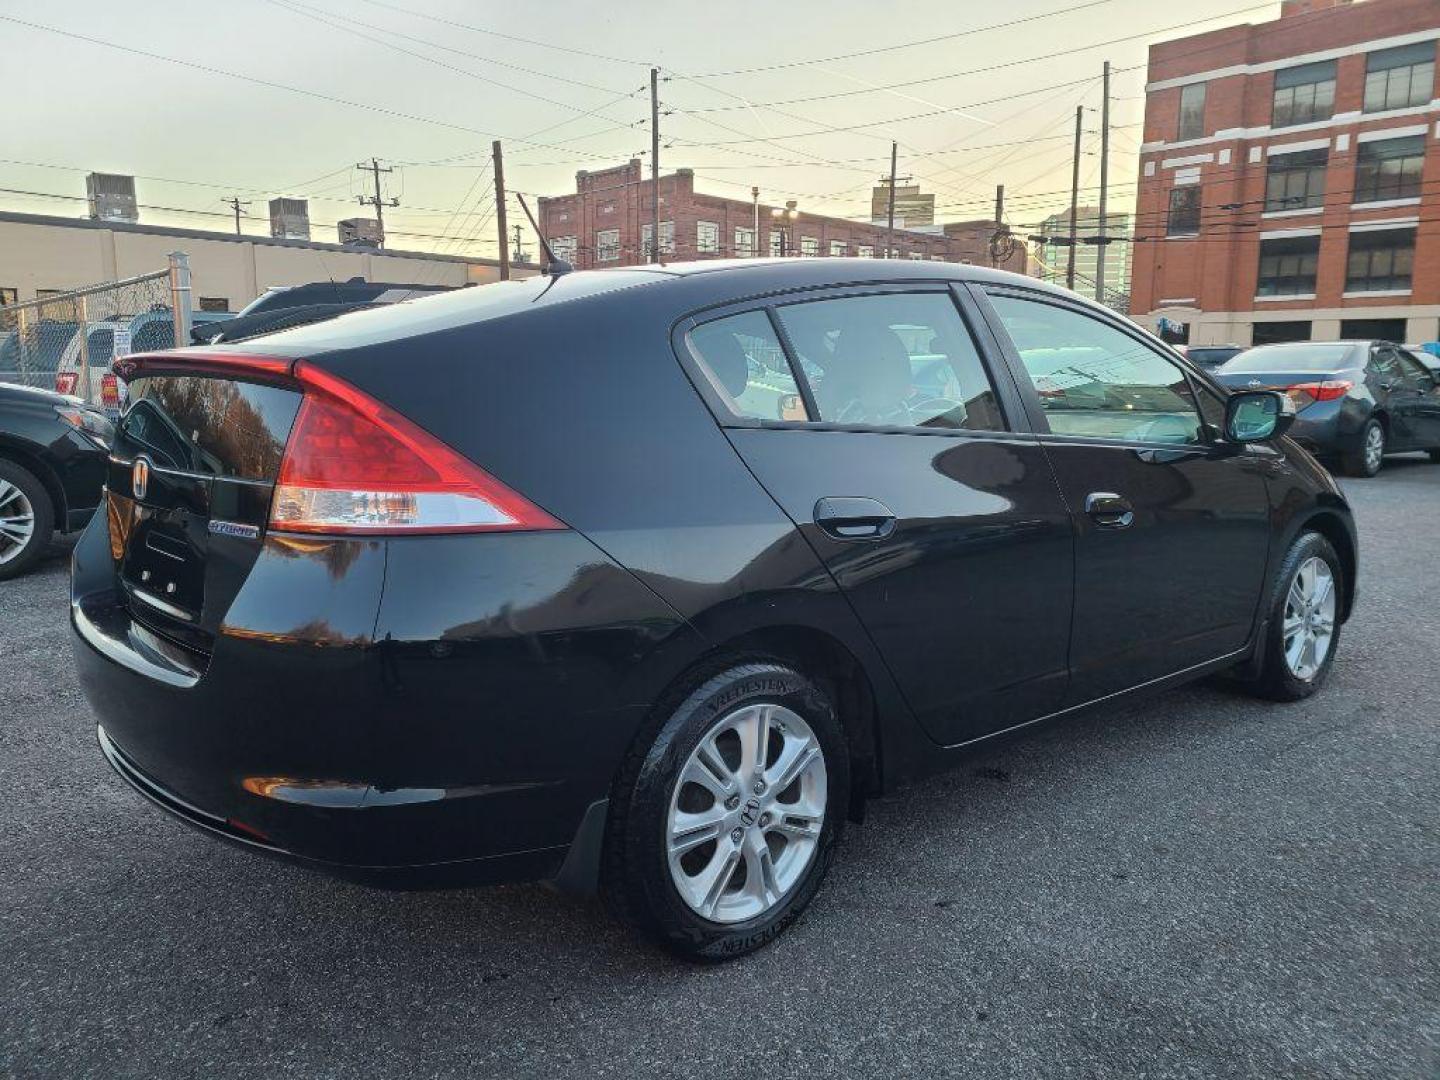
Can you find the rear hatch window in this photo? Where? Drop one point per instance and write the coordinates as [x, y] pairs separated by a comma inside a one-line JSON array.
[[191, 477]]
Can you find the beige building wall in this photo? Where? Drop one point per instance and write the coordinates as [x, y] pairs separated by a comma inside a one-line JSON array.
[[55, 253]]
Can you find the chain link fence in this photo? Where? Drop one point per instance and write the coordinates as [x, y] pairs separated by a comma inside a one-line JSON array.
[[68, 341]]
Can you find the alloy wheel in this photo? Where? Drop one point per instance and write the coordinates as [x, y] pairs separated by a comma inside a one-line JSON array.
[[17, 521], [1374, 447], [747, 813], [1309, 625]]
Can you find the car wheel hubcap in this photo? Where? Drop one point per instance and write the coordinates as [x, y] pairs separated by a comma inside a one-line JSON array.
[[1374, 447], [1309, 618], [746, 814], [17, 521]]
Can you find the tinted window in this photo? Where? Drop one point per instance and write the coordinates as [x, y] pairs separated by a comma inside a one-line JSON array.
[[205, 425], [893, 360], [743, 360], [1309, 358], [1385, 362], [1093, 379]]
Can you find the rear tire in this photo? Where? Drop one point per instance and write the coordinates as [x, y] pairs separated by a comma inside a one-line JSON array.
[[27, 519], [691, 775], [1368, 453], [1304, 604]]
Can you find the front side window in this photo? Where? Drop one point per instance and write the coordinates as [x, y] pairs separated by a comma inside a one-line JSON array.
[[1183, 218], [1380, 261], [744, 243], [1094, 380], [893, 360], [1296, 181], [1400, 78], [1389, 169], [1288, 266], [707, 238], [607, 245], [743, 361], [1304, 94], [1192, 112]]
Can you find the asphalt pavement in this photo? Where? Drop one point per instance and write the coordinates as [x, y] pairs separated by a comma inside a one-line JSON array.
[[1199, 886]]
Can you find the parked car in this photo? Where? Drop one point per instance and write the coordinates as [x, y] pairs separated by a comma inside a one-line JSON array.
[[522, 581], [53, 452], [149, 330], [1210, 357], [297, 305], [1356, 401]]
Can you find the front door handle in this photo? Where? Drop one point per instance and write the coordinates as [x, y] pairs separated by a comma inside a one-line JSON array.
[[1110, 511], [851, 518]]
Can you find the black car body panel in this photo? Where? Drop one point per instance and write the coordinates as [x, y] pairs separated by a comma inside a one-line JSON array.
[[70, 464], [459, 705]]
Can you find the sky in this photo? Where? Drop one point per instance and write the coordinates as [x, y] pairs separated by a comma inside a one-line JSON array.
[[802, 98]]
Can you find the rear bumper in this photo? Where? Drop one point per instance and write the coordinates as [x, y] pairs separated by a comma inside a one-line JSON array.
[[461, 738], [1329, 427]]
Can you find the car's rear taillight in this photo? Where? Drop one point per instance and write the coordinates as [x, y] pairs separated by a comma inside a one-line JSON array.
[[1303, 394], [352, 465]]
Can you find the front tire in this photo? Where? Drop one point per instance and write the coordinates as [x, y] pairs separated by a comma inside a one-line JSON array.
[[27, 520], [1303, 631], [1369, 452], [724, 821]]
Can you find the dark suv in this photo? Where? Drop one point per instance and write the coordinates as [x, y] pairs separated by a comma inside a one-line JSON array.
[[648, 577]]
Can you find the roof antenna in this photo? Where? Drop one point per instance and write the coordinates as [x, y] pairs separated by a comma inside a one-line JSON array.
[[553, 266]]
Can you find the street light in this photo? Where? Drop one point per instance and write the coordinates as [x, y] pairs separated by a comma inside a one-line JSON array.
[[785, 218]]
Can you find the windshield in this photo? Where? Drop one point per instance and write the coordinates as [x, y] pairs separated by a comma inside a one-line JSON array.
[[1291, 358]]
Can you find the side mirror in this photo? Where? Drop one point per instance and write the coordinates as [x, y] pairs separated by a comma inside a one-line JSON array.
[[1253, 416]]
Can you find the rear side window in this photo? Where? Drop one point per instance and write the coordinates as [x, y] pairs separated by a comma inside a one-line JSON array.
[[203, 425], [1094, 380], [892, 360], [745, 364]]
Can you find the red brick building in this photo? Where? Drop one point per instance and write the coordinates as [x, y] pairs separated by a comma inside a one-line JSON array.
[[1290, 177], [608, 221]]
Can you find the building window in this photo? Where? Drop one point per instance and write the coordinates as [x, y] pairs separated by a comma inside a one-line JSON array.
[[1296, 181], [777, 243], [564, 247], [1304, 94], [1380, 261], [1274, 333], [865, 251], [894, 253], [707, 238], [607, 245], [1399, 78], [744, 243], [837, 249], [647, 240], [1389, 169], [937, 258], [1184, 216], [214, 303], [1287, 266], [9, 296], [1192, 112], [809, 247]]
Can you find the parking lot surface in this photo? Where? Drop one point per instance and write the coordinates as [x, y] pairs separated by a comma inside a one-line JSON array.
[[1198, 886]]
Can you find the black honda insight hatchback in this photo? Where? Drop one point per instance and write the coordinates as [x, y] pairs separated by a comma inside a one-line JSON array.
[[646, 578]]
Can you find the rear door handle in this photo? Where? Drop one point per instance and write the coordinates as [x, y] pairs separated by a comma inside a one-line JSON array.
[[851, 518], [1109, 510]]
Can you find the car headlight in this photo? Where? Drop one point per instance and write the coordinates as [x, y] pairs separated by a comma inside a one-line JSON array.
[[95, 426]]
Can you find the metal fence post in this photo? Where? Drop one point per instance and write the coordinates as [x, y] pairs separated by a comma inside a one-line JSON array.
[[82, 312], [180, 296]]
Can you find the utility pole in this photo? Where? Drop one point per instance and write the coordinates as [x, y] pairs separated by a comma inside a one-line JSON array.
[[755, 235], [655, 164], [500, 210], [890, 207], [378, 202], [1074, 197], [519, 255], [236, 204], [1104, 187], [999, 223]]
